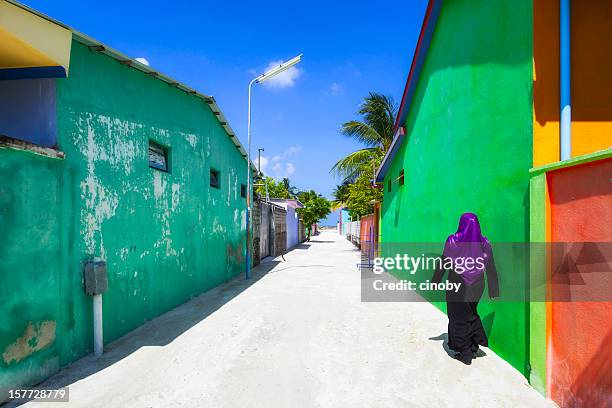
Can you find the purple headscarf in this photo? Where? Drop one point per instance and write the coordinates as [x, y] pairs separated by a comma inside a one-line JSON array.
[[468, 242]]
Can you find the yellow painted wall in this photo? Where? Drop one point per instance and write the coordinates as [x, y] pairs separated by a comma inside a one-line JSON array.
[[591, 78]]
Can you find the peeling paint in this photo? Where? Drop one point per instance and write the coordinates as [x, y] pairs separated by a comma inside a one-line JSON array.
[[100, 202], [192, 139], [123, 253], [176, 190], [123, 151], [159, 185], [35, 337]]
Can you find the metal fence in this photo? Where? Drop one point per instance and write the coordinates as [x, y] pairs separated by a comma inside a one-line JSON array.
[[364, 233], [354, 232]]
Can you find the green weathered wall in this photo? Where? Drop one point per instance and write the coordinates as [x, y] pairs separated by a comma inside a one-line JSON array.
[[29, 267], [165, 236], [469, 147]]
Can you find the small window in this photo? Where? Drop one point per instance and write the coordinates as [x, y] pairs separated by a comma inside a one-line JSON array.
[[242, 191], [389, 185], [214, 178], [401, 178], [158, 157]]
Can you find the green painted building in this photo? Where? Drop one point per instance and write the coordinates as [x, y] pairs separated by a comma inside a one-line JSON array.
[[128, 166], [464, 144]]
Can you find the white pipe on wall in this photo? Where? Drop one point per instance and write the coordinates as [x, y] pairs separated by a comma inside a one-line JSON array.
[[97, 325]]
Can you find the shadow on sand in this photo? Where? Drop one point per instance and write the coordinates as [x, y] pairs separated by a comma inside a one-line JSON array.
[[157, 332]]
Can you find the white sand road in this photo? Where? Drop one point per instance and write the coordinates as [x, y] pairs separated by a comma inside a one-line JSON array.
[[297, 335]]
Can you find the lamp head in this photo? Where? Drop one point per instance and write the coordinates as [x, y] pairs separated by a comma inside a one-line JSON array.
[[277, 70]]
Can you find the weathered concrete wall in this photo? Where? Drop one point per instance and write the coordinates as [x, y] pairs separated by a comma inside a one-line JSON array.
[[280, 230], [256, 221], [469, 146], [30, 268], [165, 236]]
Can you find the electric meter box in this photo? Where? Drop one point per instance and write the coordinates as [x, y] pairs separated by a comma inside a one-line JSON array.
[[96, 280]]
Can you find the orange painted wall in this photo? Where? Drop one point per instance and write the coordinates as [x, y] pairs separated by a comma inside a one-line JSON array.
[[591, 78], [367, 224], [580, 348]]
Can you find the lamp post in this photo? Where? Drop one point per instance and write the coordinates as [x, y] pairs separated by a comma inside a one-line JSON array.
[[261, 78], [261, 149]]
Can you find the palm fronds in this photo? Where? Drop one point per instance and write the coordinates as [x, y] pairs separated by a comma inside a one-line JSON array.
[[375, 131]]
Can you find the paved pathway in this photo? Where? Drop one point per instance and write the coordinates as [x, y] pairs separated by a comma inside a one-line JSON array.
[[296, 336]]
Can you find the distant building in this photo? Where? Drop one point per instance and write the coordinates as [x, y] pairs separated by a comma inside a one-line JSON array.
[[293, 220], [343, 222]]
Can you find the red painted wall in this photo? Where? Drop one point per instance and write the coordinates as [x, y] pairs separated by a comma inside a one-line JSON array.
[[580, 354]]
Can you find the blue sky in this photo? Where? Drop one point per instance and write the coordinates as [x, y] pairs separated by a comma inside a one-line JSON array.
[[349, 47]]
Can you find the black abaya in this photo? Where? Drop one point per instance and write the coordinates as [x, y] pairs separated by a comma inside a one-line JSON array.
[[465, 330]]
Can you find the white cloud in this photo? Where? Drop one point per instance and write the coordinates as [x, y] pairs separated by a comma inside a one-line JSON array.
[[264, 163], [335, 89], [277, 166], [292, 150], [285, 79], [143, 61]]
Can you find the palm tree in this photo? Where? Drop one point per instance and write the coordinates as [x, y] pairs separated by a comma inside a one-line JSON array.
[[375, 131], [291, 190], [340, 195]]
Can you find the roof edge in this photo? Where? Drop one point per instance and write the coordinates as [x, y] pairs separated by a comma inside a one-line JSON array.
[[427, 29], [104, 49]]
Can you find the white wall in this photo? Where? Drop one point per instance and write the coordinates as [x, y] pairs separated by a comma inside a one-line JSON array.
[[292, 227]]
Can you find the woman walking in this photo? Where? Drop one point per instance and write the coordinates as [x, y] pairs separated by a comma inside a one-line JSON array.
[[471, 255]]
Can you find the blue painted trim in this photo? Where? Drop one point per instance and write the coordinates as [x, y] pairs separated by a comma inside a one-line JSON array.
[[420, 60], [565, 108], [33, 73], [420, 53], [388, 159]]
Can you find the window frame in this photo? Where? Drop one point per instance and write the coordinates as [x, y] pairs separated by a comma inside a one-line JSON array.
[[167, 156], [217, 174]]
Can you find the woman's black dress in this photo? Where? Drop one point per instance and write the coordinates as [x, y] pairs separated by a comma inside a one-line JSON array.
[[465, 330]]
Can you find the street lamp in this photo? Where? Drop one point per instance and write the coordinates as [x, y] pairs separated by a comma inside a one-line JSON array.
[[262, 78], [261, 149]]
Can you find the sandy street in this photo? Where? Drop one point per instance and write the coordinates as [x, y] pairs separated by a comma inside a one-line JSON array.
[[297, 335]]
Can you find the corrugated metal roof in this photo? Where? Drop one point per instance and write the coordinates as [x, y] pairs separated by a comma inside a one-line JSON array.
[[124, 59]]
